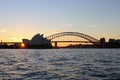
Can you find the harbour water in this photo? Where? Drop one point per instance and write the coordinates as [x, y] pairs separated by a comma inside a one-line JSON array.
[[59, 64]]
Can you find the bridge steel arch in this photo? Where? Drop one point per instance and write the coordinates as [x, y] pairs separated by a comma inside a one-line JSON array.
[[87, 37]]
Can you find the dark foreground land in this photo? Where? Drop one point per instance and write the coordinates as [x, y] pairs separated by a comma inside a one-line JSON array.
[[49, 46]]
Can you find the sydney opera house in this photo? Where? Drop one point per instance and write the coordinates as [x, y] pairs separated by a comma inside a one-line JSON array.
[[37, 41]]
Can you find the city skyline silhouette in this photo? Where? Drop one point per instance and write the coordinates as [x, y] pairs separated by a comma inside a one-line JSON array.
[[38, 41]]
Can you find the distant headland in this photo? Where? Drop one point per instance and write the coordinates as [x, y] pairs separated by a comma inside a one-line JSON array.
[[40, 42]]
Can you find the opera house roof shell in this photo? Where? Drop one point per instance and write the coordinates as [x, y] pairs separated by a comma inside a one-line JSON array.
[[36, 40]]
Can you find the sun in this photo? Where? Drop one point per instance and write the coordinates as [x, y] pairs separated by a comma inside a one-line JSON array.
[[22, 45]]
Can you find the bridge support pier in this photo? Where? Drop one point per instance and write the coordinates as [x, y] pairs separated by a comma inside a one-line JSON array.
[[56, 45]]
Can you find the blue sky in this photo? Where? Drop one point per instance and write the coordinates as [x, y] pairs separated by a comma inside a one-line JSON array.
[[24, 18]]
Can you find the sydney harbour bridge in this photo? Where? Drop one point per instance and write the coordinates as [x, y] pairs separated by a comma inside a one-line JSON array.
[[75, 34]]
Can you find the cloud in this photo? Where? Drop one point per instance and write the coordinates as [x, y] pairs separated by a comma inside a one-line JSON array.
[[12, 38], [2, 30], [93, 25], [65, 25], [61, 28], [55, 31]]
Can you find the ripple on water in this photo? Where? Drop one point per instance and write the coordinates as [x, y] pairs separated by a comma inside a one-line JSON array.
[[60, 64]]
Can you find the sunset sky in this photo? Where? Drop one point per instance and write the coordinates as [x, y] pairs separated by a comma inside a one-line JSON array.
[[25, 18]]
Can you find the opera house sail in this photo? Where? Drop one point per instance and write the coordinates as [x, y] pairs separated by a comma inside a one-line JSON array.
[[37, 41]]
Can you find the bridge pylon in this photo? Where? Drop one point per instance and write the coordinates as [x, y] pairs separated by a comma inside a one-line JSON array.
[[56, 46]]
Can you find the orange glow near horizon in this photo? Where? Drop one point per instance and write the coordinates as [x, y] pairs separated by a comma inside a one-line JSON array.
[[22, 45]]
